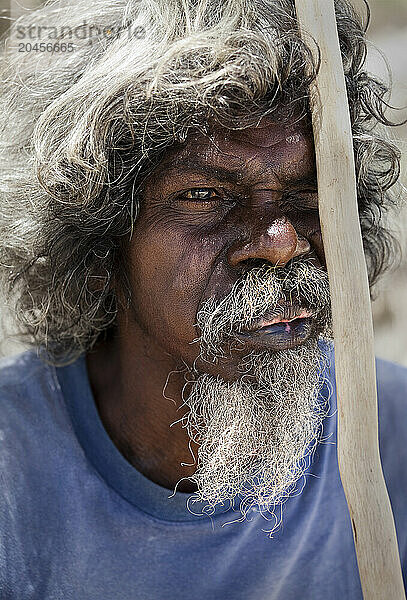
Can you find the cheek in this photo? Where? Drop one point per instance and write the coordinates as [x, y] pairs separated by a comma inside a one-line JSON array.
[[169, 273]]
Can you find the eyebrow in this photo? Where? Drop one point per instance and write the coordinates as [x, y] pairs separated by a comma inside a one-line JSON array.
[[231, 175]]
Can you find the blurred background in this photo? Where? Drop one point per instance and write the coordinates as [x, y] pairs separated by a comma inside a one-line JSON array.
[[388, 36]]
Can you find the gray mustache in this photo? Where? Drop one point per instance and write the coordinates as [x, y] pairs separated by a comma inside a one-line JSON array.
[[262, 292]]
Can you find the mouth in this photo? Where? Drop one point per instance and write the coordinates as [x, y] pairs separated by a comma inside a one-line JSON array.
[[288, 329]]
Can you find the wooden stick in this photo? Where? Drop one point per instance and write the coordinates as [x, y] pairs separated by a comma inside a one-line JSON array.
[[358, 448]]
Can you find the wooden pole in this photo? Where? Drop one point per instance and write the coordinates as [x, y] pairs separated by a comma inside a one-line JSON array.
[[358, 448]]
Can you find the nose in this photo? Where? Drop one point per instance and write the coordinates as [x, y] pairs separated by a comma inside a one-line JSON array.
[[277, 245]]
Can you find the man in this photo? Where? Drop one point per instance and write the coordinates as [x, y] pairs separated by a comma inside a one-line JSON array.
[[162, 245]]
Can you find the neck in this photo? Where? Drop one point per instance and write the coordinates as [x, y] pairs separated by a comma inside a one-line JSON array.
[[128, 384]]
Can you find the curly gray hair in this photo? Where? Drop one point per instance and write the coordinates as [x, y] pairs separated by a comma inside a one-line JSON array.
[[81, 130]]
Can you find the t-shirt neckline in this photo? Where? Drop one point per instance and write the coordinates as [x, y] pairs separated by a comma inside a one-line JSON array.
[[149, 497]]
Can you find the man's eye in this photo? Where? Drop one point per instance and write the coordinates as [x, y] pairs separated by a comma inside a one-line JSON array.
[[299, 203], [200, 199], [199, 194]]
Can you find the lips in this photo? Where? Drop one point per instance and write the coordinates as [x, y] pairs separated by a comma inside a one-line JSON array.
[[283, 318], [292, 326]]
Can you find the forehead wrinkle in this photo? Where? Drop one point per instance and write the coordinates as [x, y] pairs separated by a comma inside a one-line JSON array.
[[253, 170], [237, 174], [239, 177]]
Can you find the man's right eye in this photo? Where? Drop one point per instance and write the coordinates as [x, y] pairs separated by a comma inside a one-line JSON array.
[[199, 195], [201, 199]]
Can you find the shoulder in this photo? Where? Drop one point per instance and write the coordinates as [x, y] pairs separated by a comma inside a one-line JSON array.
[[392, 402], [30, 402], [31, 417], [37, 444], [34, 422], [20, 369], [392, 406], [392, 381], [392, 411], [28, 386]]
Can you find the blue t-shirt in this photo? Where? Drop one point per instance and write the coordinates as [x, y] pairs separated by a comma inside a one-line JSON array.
[[77, 521]]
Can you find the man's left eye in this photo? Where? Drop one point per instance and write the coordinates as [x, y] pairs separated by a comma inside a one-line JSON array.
[[294, 202]]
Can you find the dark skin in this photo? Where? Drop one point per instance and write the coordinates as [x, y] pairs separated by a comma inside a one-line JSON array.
[[209, 209]]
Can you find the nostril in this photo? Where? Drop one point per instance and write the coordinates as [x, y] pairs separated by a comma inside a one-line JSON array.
[[245, 266], [303, 246]]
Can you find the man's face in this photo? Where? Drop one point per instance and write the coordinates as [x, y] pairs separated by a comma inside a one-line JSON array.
[[227, 273], [215, 208]]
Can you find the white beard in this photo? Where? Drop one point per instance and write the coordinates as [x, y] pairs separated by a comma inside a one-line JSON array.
[[255, 433], [254, 436]]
